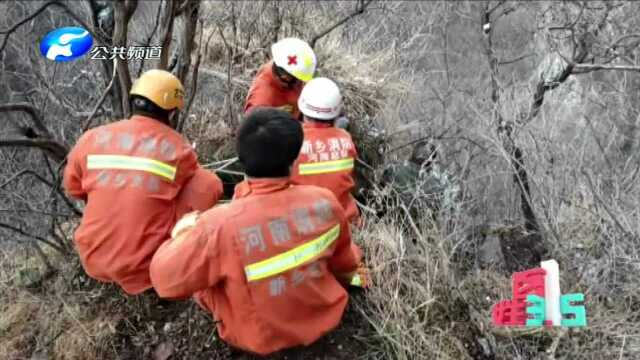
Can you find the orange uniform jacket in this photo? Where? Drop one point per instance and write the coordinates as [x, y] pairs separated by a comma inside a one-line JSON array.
[[130, 173], [327, 160], [264, 265], [267, 91]]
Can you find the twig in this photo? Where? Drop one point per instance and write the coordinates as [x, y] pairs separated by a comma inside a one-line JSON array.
[[366, 208], [194, 76], [521, 57], [43, 257], [167, 24], [87, 122], [238, 82], [210, 165], [75, 318], [363, 163], [604, 205], [229, 89], [227, 164], [360, 8], [31, 236], [23, 172], [231, 172], [586, 68], [122, 15], [151, 35], [604, 154]]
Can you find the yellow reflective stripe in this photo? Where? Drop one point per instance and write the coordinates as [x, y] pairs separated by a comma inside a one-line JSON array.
[[292, 258], [326, 166], [131, 163]]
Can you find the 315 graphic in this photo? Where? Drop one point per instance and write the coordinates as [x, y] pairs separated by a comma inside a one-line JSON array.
[[537, 301]]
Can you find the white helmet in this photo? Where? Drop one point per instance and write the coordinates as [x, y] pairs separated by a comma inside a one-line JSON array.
[[296, 57], [320, 99]]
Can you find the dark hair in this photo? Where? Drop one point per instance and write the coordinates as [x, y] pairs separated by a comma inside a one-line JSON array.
[[279, 72], [268, 142], [145, 107]]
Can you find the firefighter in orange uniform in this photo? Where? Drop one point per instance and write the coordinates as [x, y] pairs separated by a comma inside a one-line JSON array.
[[269, 265], [138, 177], [328, 154], [279, 82]]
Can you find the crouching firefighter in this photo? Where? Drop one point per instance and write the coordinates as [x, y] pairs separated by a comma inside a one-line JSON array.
[[328, 153], [270, 265], [138, 177], [279, 82]]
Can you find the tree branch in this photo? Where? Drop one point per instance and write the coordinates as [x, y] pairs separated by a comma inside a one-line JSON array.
[[167, 24], [26, 172], [360, 8], [151, 35], [194, 76], [34, 113], [57, 150], [123, 9], [87, 123]]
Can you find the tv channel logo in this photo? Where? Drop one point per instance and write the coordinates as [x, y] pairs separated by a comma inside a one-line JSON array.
[[66, 44]]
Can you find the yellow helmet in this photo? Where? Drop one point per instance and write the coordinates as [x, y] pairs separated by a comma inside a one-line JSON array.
[[161, 87]]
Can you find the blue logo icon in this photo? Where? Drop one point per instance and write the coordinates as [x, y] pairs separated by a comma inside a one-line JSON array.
[[66, 44]]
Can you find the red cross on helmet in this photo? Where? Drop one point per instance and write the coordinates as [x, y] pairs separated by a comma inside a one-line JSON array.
[[296, 57]]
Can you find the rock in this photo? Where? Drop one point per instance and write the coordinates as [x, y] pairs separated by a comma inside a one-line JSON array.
[[163, 351]]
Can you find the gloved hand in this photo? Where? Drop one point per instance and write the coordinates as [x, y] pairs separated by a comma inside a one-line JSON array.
[[288, 108], [342, 122], [186, 223]]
